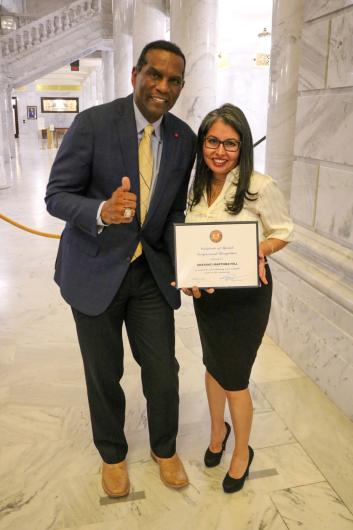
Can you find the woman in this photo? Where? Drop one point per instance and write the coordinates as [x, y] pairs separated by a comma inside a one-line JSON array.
[[232, 322]]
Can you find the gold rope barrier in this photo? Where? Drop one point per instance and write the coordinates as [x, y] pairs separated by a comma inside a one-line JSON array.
[[56, 236], [27, 229]]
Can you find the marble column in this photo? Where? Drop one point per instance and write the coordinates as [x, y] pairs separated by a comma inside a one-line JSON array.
[[83, 96], [100, 82], [108, 76], [10, 123], [149, 24], [87, 91], [122, 38], [287, 22], [94, 92], [194, 28], [6, 134]]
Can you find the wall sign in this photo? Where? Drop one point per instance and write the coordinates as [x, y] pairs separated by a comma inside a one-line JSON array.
[[59, 104]]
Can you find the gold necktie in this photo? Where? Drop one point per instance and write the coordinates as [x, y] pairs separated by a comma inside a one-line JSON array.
[[146, 172]]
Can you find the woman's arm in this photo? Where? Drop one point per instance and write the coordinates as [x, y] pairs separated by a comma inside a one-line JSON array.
[[267, 248], [271, 245]]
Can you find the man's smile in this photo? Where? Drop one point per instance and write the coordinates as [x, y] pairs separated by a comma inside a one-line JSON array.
[[159, 99]]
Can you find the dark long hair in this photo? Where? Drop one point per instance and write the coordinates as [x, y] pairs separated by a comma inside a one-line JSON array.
[[234, 117]]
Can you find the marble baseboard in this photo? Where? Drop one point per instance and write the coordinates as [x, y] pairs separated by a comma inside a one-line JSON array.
[[319, 346]]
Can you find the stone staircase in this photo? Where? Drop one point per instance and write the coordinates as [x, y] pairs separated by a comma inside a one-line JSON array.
[[55, 40]]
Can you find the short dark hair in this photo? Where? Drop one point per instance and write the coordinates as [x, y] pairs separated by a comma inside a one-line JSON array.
[[159, 45], [234, 117]]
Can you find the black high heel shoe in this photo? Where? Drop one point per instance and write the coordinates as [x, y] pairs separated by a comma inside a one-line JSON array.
[[213, 459], [230, 484]]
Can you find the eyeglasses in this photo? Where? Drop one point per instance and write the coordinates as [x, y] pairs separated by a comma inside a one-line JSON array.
[[229, 145]]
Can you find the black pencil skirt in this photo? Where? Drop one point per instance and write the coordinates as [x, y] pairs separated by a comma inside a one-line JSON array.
[[232, 323]]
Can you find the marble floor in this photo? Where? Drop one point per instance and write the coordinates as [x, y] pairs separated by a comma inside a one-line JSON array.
[[302, 474]]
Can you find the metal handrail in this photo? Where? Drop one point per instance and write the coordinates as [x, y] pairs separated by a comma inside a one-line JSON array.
[[259, 141]]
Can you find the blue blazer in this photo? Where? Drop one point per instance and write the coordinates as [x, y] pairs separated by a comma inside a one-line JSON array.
[[97, 151]]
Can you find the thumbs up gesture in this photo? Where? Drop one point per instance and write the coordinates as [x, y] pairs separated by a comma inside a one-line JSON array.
[[121, 206]]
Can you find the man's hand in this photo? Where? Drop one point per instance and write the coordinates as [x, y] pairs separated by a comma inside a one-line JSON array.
[[121, 206], [194, 291]]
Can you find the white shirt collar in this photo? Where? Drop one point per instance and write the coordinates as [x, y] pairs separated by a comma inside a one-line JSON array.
[[233, 176], [141, 122]]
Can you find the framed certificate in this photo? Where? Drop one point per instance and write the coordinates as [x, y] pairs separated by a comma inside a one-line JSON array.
[[218, 255]]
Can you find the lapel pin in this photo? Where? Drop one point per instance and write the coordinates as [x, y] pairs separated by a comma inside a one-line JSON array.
[[176, 135]]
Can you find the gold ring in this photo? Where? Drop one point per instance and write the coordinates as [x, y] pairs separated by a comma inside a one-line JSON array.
[[128, 212]]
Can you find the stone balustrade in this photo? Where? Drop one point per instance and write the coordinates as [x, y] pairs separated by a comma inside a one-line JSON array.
[[45, 28]]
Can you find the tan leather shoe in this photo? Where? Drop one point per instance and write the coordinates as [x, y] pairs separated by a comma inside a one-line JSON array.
[[172, 471], [115, 480]]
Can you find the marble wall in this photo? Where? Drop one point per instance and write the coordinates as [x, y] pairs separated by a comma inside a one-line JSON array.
[[317, 8], [312, 315], [324, 123]]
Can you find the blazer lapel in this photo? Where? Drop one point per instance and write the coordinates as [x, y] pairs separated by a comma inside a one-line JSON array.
[[125, 123], [171, 150]]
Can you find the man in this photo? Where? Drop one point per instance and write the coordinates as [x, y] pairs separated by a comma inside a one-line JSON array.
[[115, 259]]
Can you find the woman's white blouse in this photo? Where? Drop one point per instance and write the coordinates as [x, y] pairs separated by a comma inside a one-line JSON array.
[[269, 209]]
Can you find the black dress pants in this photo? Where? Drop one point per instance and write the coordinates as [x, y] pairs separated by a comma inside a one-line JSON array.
[[149, 322]]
